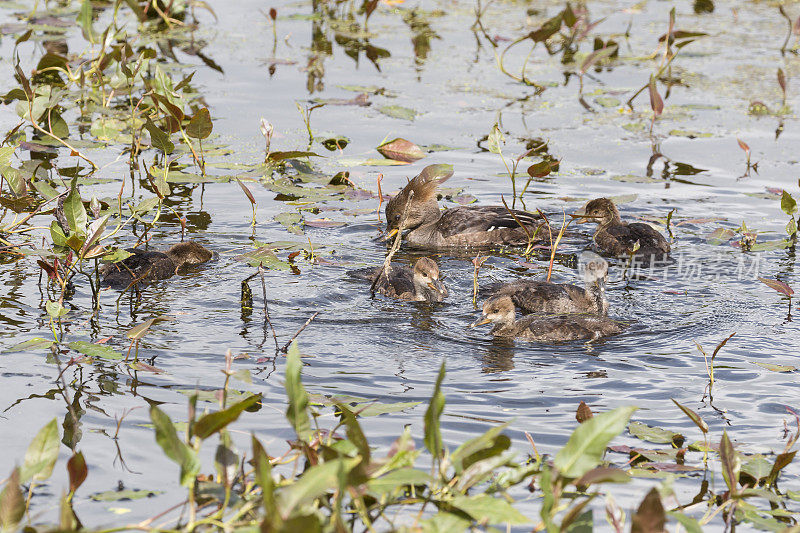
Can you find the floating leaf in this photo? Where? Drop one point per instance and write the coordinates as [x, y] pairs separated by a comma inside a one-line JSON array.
[[597, 56], [123, 495], [654, 434], [587, 443], [396, 111], [720, 236], [323, 223], [401, 150], [778, 285], [292, 154], [542, 168], [265, 257], [776, 368], [95, 350], [36, 343]]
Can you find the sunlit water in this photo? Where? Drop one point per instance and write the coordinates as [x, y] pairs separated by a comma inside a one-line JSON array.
[[390, 351]]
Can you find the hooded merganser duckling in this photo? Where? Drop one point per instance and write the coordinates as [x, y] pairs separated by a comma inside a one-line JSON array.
[[420, 283], [500, 310], [460, 227], [149, 265], [563, 298], [618, 238]]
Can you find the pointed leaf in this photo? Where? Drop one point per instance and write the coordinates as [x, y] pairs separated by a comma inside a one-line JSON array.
[[597, 56], [731, 463], [583, 413], [77, 469], [42, 454], [401, 150], [788, 204], [173, 447], [693, 416], [495, 140], [777, 285], [201, 126], [214, 422], [433, 433], [12, 503], [656, 103], [158, 138], [588, 442], [650, 516], [297, 411]]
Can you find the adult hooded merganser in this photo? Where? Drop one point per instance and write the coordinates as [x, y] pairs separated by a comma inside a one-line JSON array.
[[557, 328], [616, 237], [460, 227], [149, 265], [420, 283], [562, 298]]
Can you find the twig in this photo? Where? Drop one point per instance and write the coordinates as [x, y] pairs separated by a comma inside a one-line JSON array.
[[385, 268], [286, 346]]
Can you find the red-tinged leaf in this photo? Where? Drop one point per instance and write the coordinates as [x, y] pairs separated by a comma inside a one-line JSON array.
[[103, 340], [693, 416], [603, 474], [200, 126], [782, 80], [777, 285], [650, 517], [656, 103], [144, 367], [273, 13], [796, 26], [731, 463], [743, 145], [542, 168], [781, 461], [246, 191], [77, 469], [292, 255], [583, 413], [47, 267], [401, 150], [597, 56]]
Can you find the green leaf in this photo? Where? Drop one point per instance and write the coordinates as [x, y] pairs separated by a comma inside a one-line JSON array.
[[139, 330], [776, 368], [173, 447], [486, 509], [487, 445], [312, 484], [444, 522], [213, 422], [158, 138], [690, 524], [397, 111], [265, 257], [55, 309], [297, 412], [294, 154], [35, 343], [757, 467], [85, 21], [200, 126], [74, 211], [355, 434], [731, 463], [127, 494], [495, 140], [588, 442], [42, 454], [654, 434], [433, 433], [264, 478], [781, 461], [398, 479], [788, 204], [96, 350]]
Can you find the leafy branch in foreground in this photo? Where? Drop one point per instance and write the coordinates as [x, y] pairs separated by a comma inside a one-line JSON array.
[[332, 479]]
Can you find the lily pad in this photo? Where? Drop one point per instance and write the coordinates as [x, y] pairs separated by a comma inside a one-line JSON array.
[[776, 368], [397, 111], [95, 350], [121, 495]]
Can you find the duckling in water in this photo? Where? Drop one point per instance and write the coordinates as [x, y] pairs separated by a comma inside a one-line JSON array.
[[558, 298], [558, 328], [460, 227], [148, 265], [419, 284], [613, 236]]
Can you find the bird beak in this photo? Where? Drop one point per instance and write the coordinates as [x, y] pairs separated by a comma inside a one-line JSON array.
[[582, 218], [389, 235], [437, 286], [481, 321]]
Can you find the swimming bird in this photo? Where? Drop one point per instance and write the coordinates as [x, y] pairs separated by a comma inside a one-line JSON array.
[[541, 328], [150, 265], [616, 237], [561, 298], [421, 283], [460, 227]]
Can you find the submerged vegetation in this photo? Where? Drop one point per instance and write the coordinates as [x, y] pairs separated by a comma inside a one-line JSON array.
[[126, 100]]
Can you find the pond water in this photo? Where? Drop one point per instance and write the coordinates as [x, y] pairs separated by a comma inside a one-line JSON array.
[[433, 63]]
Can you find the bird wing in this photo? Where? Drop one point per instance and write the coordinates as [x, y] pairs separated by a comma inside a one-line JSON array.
[[482, 218]]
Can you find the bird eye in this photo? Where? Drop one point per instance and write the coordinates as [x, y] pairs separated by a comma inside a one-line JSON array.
[[495, 310], [397, 217], [424, 275]]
